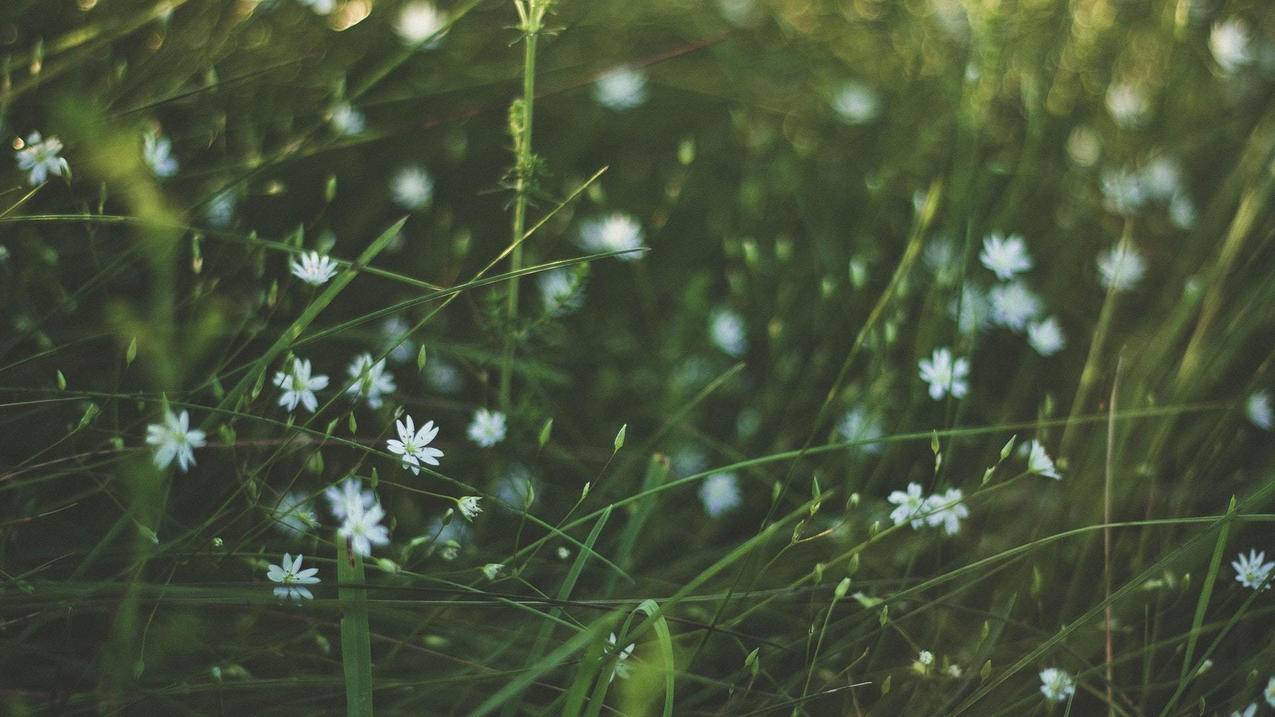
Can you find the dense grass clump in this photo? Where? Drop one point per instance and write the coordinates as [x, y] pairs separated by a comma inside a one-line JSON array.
[[540, 357]]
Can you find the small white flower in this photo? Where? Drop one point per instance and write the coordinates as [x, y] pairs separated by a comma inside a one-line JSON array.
[[1046, 337], [321, 7], [157, 150], [925, 658], [1039, 462], [615, 232], [727, 331], [299, 386], [1121, 267], [488, 428], [944, 374], [1056, 685], [313, 268], [720, 494], [469, 506], [561, 291], [563, 552], [1252, 571], [392, 330], [1013, 305], [292, 579], [1123, 192], [1269, 692], [1127, 104], [412, 188], [621, 668], [858, 426], [954, 670], [491, 571], [1182, 211], [293, 514], [39, 157], [363, 529], [1229, 43], [371, 380], [856, 103], [420, 21], [413, 445], [444, 377], [1005, 256], [621, 89], [910, 504], [349, 497], [946, 509], [346, 120], [1258, 408], [1162, 178], [174, 438]]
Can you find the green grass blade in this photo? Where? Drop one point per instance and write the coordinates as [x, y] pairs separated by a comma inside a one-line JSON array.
[[356, 640]]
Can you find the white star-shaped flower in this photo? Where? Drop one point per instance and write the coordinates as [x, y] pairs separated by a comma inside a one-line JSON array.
[[469, 506], [1252, 571], [488, 428], [1056, 685], [1046, 337], [39, 158], [720, 494], [362, 527], [1005, 256], [292, 579], [293, 514], [946, 509], [348, 497], [313, 268], [616, 232], [1039, 462], [910, 505], [1121, 267], [371, 380], [413, 445], [1013, 305], [945, 374], [174, 438], [299, 386], [621, 668]]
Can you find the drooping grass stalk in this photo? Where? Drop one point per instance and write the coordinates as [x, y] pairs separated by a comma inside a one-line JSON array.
[[1109, 474], [531, 16], [356, 641]]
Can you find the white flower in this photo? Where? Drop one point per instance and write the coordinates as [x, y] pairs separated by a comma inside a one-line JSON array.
[[322, 7], [293, 515], [1259, 411], [1121, 267], [362, 527], [1046, 337], [909, 505], [1013, 305], [157, 151], [972, 309], [954, 670], [346, 120], [469, 506], [925, 658], [1249, 711], [1123, 192], [412, 188], [621, 89], [615, 232], [393, 329], [413, 445], [221, 210], [1269, 692], [1162, 178], [420, 21], [443, 376], [292, 579], [313, 268], [1251, 571], [947, 510], [1039, 462], [349, 497], [856, 103], [491, 571], [299, 386], [39, 158], [1127, 104], [174, 438], [1056, 685], [727, 331], [560, 291], [720, 494], [1005, 256], [1229, 43], [370, 379], [621, 668], [858, 426], [1182, 211], [488, 428], [944, 374]]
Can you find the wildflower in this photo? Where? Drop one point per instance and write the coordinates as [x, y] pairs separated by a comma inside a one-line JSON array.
[[299, 386], [1269, 692], [292, 579], [488, 428], [413, 445], [856, 103], [293, 514], [1056, 685], [621, 668], [1258, 408], [909, 505], [1123, 192], [313, 268], [1229, 43], [947, 510], [419, 22], [174, 438], [39, 158], [1121, 267], [412, 188], [346, 120], [944, 374], [371, 380], [1162, 178], [925, 658], [1127, 104], [563, 552], [363, 529], [954, 671], [972, 309], [1046, 337], [443, 376], [621, 89], [727, 331], [720, 494], [860, 427], [491, 571], [396, 328], [321, 7], [349, 497], [469, 506], [1039, 462], [560, 291], [1251, 571], [616, 232], [1013, 305], [1005, 256]]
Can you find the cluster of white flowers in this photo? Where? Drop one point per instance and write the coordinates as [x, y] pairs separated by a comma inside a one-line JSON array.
[[1011, 303], [370, 380], [720, 494], [1252, 571], [39, 157], [614, 232], [1126, 191], [945, 509], [945, 374]]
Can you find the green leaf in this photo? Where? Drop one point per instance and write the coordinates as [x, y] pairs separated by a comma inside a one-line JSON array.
[[356, 640]]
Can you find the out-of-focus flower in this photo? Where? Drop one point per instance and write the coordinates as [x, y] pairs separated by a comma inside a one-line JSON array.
[[1005, 256], [412, 188], [1121, 267], [945, 374], [487, 428], [621, 89], [1046, 337], [1056, 685], [41, 157], [419, 21], [1258, 408], [726, 328], [1229, 42], [720, 494], [615, 232], [1128, 104], [856, 103], [157, 150]]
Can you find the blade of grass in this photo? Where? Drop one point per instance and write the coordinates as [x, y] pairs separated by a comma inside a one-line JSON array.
[[356, 642]]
